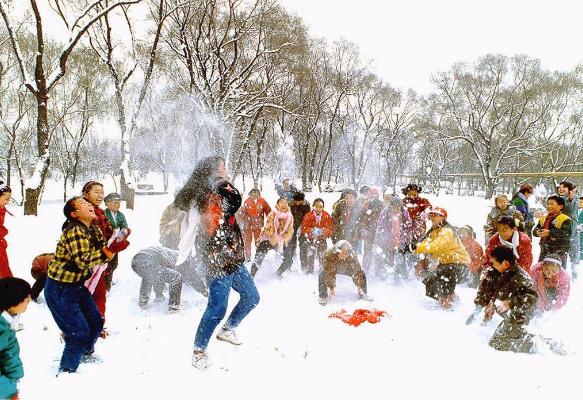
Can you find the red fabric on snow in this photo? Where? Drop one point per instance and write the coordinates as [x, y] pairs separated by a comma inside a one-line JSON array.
[[359, 316]]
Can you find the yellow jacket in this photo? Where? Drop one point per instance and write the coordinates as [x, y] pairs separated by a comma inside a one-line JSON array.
[[445, 246]]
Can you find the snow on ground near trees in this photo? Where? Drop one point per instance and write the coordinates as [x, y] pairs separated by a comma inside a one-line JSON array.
[[291, 348]]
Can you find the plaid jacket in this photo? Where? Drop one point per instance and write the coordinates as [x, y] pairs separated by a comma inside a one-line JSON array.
[[78, 251]]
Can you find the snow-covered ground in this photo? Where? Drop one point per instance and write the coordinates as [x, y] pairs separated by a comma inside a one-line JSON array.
[[291, 349]]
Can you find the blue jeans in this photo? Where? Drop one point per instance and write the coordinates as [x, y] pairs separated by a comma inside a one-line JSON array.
[[219, 289], [77, 316]]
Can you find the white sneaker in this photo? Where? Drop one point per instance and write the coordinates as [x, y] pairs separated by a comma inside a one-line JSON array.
[[200, 360], [228, 335]]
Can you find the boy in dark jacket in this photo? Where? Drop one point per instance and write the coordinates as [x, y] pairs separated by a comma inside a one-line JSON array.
[[555, 230], [14, 298], [299, 208], [507, 289]]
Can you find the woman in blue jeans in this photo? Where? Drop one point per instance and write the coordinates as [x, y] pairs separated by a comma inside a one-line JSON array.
[[218, 241]]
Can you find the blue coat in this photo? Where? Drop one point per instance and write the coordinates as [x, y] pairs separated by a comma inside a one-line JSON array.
[[10, 365]]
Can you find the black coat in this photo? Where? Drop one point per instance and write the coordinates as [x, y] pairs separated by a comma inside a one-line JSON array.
[[299, 212], [513, 285]]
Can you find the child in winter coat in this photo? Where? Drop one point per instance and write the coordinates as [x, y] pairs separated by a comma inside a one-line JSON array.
[[252, 217], [14, 298], [276, 234], [157, 267], [555, 230], [468, 238], [507, 289], [40, 264], [81, 248], [316, 228], [443, 245], [5, 195], [340, 259], [508, 235], [551, 282], [394, 232], [117, 221], [502, 207], [93, 193], [417, 207]]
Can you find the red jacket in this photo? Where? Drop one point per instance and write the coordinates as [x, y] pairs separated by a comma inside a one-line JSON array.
[[309, 223], [476, 254], [524, 250], [415, 207], [253, 213], [561, 283]]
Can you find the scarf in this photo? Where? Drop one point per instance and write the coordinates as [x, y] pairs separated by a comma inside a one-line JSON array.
[[513, 244], [287, 215]]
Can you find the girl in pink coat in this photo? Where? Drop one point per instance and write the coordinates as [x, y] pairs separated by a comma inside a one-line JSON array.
[[551, 282]]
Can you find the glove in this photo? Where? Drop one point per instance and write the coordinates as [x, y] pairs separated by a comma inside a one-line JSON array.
[[116, 246], [473, 315]]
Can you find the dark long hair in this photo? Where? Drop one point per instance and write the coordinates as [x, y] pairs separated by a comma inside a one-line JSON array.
[[199, 185]]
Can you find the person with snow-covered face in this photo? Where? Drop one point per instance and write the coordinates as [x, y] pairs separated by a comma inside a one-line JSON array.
[[211, 229], [276, 234], [417, 207]]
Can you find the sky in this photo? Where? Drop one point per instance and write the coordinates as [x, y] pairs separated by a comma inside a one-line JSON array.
[[409, 40]]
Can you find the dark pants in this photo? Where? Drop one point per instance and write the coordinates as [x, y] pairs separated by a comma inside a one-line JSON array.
[[77, 316], [442, 282], [219, 290], [512, 337], [111, 266], [315, 251], [39, 283], [153, 276], [301, 242], [263, 249]]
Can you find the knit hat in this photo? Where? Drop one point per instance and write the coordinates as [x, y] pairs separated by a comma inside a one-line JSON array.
[[552, 259], [112, 197], [438, 211], [13, 291]]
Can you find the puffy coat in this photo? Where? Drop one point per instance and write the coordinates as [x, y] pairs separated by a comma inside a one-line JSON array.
[[475, 252], [325, 226], [10, 364], [559, 286], [524, 250], [559, 239], [253, 213], [443, 244]]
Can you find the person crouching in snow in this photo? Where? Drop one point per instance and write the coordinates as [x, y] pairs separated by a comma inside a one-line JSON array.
[[443, 245], [40, 264], [213, 201], [14, 299], [340, 259], [81, 248], [276, 234], [551, 282], [475, 251], [316, 228], [157, 267], [508, 290], [509, 236]]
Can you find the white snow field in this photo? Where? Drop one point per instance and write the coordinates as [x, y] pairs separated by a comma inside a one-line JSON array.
[[291, 349]]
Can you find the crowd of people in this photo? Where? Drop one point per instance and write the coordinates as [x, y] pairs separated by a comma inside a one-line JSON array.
[[214, 240]]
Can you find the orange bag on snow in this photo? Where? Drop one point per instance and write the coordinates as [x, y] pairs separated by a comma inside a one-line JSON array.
[[359, 316]]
